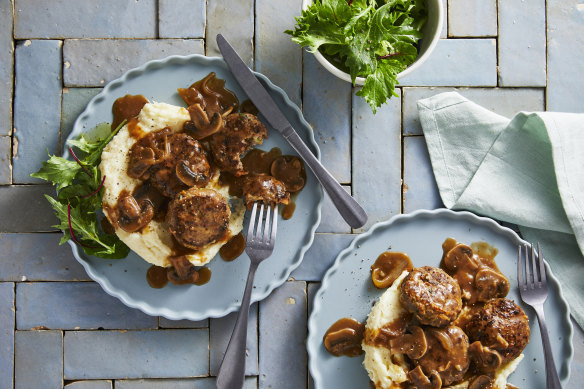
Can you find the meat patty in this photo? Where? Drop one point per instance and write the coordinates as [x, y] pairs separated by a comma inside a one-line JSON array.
[[500, 325], [431, 295], [198, 217], [447, 354], [264, 188], [240, 132]]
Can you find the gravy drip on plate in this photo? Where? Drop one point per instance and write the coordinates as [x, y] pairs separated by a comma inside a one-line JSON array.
[[233, 248], [127, 108], [344, 337]]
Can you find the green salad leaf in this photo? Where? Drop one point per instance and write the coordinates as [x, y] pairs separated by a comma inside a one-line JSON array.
[[78, 202], [373, 39]]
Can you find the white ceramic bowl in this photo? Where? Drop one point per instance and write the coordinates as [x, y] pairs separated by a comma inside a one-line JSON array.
[[431, 30]]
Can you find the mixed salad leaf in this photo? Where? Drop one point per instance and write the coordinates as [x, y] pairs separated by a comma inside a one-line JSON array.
[[78, 202], [373, 39]]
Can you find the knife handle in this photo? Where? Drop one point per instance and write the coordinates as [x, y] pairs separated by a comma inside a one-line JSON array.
[[349, 209]]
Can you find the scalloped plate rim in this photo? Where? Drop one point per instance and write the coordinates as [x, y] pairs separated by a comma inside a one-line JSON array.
[[210, 313], [490, 223]]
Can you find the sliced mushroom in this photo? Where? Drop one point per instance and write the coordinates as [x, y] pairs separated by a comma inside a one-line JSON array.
[[388, 266], [141, 159], [134, 215], [414, 345], [481, 382], [461, 255], [421, 381], [290, 170], [190, 175], [485, 360], [443, 338], [204, 125], [182, 272], [490, 284]]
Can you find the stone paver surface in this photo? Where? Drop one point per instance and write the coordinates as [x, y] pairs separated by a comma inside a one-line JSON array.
[[508, 56]]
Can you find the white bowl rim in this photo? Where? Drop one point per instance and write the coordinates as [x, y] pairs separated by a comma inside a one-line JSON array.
[[416, 64]]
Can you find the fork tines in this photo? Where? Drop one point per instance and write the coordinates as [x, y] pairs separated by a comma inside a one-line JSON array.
[[530, 278], [269, 231]]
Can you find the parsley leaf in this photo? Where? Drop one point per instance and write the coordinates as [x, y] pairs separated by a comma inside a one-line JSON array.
[[373, 39]]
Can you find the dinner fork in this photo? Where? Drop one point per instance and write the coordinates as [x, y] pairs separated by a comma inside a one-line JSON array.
[[260, 244], [533, 291]]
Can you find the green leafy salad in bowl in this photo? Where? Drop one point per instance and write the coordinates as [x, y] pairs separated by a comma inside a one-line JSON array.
[[372, 41]]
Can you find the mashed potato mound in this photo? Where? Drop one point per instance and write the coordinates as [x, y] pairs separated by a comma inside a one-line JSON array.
[[154, 242], [386, 369]]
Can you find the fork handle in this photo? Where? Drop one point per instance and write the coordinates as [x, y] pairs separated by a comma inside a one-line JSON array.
[[551, 374], [232, 371]]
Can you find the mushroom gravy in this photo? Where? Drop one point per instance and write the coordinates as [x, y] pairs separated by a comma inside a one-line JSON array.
[[344, 337]]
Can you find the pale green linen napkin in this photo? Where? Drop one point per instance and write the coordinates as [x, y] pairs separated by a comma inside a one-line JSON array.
[[528, 171]]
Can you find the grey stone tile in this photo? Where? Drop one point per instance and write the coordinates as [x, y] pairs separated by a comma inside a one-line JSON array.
[[420, 190], [235, 21], [136, 354], [324, 92], [38, 359], [6, 67], [97, 62], [93, 384], [37, 107], [377, 159], [7, 310], [74, 102], [503, 101], [321, 255], [74, 305], [193, 383], [5, 160], [331, 220], [181, 18], [477, 18], [444, 32], [40, 258], [457, 62], [282, 337], [167, 323], [276, 55], [219, 334], [522, 43], [85, 19], [565, 56], [35, 214]]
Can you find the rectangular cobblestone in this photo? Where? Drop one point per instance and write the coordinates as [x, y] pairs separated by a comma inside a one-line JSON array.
[[283, 333], [5, 160], [6, 67], [93, 384], [97, 62], [331, 220], [136, 354], [34, 213], [220, 330], [74, 305], [476, 18], [195, 383], [7, 320], [321, 255], [503, 101], [522, 43], [181, 18], [38, 359], [37, 107], [376, 163], [85, 19], [457, 62], [39, 258], [167, 323], [420, 190], [74, 102], [324, 92], [276, 55], [565, 55], [234, 20]]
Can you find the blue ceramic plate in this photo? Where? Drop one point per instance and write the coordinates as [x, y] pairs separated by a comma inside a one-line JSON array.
[[126, 278], [347, 291]]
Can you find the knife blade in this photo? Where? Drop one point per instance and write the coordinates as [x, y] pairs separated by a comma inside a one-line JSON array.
[[347, 206]]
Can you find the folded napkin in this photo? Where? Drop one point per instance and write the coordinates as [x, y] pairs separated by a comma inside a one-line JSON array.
[[527, 171]]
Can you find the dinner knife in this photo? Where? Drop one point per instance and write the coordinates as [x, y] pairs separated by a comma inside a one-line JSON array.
[[347, 206]]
